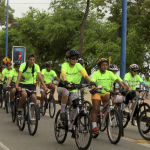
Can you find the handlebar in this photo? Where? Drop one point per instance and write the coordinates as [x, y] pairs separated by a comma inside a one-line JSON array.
[[78, 86], [31, 91]]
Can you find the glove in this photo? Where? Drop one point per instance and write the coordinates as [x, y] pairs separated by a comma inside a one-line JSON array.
[[93, 83], [66, 83]]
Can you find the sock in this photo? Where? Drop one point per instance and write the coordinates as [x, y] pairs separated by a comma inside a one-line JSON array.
[[63, 107], [94, 125]]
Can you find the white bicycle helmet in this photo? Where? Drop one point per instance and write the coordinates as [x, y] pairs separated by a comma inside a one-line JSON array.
[[134, 67], [113, 67]]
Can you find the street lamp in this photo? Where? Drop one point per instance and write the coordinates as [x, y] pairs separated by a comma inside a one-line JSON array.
[[110, 53]]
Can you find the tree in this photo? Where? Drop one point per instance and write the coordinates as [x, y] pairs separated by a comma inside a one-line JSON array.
[[3, 11]]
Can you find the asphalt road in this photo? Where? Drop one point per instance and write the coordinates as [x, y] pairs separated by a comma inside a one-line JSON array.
[[11, 138]]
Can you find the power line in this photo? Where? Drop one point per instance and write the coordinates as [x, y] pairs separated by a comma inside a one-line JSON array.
[[29, 3]]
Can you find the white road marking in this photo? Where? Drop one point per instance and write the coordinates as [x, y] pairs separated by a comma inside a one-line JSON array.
[[3, 146]]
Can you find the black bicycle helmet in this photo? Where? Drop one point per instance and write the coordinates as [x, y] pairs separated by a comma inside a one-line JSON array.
[[48, 63], [101, 60], [17, 63], [81, 61], [72, 53]]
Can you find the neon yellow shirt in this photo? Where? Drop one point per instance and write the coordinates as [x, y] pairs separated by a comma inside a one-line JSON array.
[[27, 77], [132, 81], [6, 74], [104, 80], [14, 75], [48, 75]]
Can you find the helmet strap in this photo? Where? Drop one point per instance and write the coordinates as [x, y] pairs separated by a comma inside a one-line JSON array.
[[71, 63]]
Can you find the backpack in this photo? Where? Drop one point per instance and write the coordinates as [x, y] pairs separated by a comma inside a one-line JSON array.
[[25, 69]]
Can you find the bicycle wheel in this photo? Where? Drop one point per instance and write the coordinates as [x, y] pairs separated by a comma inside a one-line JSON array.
[[144, 124], [142, 107], [21, 122], [125, 119], [52, 107], [7, 103], [14, 112], [60, 129], [45, 105], [114, 126], [33, 119], [1, 102], [88, 106], [83, 131]]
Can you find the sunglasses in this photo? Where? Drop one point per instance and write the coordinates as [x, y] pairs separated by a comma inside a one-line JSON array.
[[49, 66], [8, 65], [135, 71], [74, 58], [17, 66]]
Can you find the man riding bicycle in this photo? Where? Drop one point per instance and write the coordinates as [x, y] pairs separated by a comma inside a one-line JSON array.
[[13, 79], [104, 78], [1, 84], [48, 74], [26, 80], [70, 74], [6, 72]]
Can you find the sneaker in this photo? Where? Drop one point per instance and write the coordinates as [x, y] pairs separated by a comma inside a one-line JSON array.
[[3, 104], [126, 109], [11, 104], [63, 116], [41, 110], [19, 113], [134, 123], [95, 130], [146, 97]]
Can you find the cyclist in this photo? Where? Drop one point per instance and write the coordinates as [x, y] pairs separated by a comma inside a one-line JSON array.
[[147, 80], [1, 84], [69, 72], [104, 78], [132, 78], [6, 72], [48, 75], [13, 79], [113, 68], [26, 74]]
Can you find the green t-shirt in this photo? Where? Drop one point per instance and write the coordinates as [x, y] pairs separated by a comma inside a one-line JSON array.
[[2, 78], [72, 74], [132, 81], [147, 82], [6, 74], [112, 82], [104, 80], [14, 75], [27, 77], [48, 75]]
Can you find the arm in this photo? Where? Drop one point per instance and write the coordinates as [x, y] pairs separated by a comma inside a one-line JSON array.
[[126, 85], [85, 75], [18, 79], [41, 79], [9, 80], [56, 78], [119, 82], [1, 76]]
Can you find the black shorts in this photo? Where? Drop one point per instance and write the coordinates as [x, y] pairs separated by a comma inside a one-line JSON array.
[[28, 86]]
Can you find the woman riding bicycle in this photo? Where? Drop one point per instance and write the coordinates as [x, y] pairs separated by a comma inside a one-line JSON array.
[[104, 78], [147, 80], [132, 78]]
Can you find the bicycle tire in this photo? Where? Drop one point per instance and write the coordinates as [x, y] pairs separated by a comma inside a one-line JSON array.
[[52, 107], [84, 129], [14, 113], [140, 110], [31, 122], [7, 103], [142, 121], [57, 128], [21, 122], [45, 105], [118, 124]]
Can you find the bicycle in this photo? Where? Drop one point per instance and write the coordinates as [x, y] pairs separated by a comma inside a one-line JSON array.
[[81, 120], [137, 101], [144, 124], [29, 114], [1, 99], [109, 117], [49, 103]]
